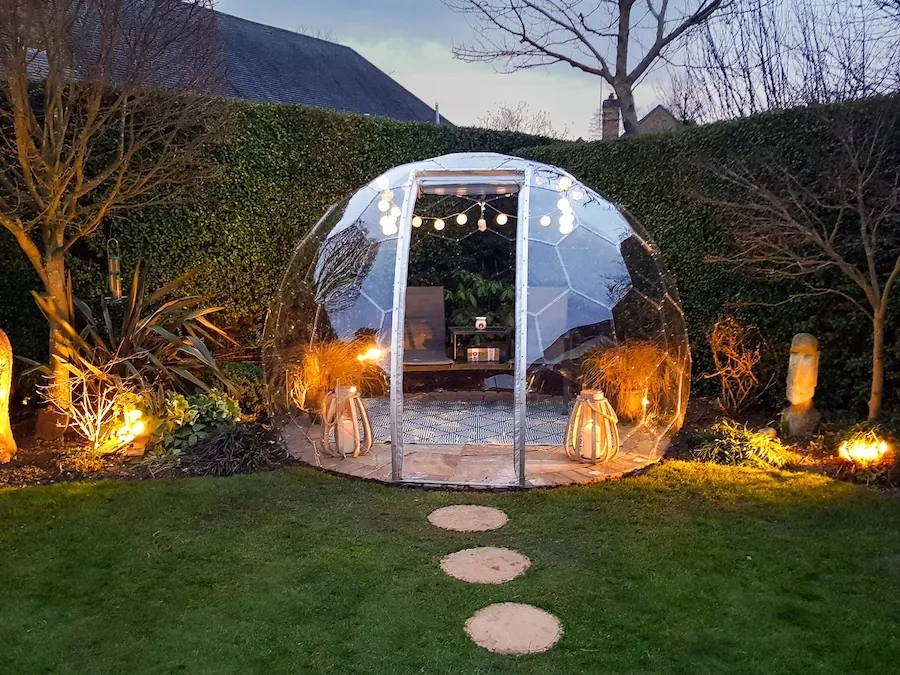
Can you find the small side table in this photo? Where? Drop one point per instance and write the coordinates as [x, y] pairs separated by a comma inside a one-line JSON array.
[[457, 331]]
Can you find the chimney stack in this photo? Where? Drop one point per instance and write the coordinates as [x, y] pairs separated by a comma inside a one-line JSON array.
[[609, 128]]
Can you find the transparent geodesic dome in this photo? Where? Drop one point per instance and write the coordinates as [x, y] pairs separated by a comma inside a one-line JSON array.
[[600, 310]]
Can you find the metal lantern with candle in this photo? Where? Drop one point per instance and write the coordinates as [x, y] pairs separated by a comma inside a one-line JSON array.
[[592, 435], [344, 418]]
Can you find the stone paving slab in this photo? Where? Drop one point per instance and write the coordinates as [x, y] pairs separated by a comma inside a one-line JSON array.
[[514, 628], [468, 518], [485, 565]]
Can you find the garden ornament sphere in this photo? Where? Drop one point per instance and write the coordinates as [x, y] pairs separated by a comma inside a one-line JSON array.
[[594, 309]]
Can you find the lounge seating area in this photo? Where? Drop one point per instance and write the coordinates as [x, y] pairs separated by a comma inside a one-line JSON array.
[[425, 336]]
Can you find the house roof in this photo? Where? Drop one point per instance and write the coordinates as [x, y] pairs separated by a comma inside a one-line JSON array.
[[269, 64]]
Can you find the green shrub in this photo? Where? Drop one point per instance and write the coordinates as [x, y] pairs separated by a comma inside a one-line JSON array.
[[248, 385], [728, 442], [187, 420]]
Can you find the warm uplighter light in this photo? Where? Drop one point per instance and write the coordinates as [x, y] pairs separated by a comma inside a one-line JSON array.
[[133, 427], [863, 450], [371, 354]]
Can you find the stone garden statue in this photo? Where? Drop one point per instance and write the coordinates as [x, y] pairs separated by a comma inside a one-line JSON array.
[[801, 417], [7, 442]]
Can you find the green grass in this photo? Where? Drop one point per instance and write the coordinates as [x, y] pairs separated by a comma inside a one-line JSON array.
[[688, 569]]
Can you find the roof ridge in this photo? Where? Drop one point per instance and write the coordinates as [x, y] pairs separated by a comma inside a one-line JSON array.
[[285, 30]]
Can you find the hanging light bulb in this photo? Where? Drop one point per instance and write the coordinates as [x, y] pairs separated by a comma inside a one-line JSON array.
[[545, 221], [384, 206], [538, 180], [566, 229], [502, 219], [388, 195], [565, 183], [382, 182], [385, 222], [390, 230], [395, 212], [566, 219], [482, 225], [577, 195], [417, 221], [439, 224], [462, 219], [563, 204]]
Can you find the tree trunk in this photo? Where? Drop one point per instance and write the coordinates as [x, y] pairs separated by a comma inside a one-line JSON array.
[[877, 367], [7, 442], [629, 114], [51, 423]]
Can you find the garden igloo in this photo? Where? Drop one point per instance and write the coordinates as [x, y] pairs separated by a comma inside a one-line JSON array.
[[477, 319]]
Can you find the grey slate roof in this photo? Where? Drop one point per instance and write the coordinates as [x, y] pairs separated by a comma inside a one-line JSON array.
[[273, 65]]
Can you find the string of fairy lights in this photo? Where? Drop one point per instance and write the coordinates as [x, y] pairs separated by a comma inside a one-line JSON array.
[[390, 217]]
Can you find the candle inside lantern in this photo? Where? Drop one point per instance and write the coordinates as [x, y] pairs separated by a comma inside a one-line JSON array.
[[588, 441]]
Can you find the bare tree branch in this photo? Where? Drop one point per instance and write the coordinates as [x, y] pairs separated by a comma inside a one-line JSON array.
[[828, 213], [94, 118], [604, 38]]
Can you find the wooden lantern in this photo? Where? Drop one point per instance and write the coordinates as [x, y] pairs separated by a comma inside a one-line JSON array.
[[7, 442], [345, 418], [592, 435]]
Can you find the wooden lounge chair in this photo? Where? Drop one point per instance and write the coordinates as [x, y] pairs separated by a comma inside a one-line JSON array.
[[425, 330]]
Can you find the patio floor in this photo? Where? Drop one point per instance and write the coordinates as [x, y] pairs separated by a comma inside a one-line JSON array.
[[456, 440]]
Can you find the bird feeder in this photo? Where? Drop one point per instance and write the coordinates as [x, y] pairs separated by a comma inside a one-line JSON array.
[[592, 435], [345, 420], [114, 267]]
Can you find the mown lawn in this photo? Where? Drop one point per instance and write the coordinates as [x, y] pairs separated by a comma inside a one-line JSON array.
[[687, 569]]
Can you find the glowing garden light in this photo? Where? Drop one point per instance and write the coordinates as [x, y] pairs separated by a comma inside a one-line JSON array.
[[439, 224], [462, 219], [577, 195], [502, 219], [417, 221], [383, 182], [545, 221], [384, 206], [563, 204], [565, 183]]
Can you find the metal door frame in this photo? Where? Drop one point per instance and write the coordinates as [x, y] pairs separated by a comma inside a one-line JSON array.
[[401, 277]]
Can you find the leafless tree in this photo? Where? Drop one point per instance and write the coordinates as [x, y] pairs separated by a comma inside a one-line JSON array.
[[776, 54], [618, 40], [94, 123], [826, 216], [520, 118], [318, 33]]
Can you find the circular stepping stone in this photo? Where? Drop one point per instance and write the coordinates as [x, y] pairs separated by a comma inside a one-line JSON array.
[[485, 565], [514, 628], [468, 518]]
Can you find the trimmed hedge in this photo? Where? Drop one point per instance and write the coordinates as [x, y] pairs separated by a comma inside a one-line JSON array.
[[283, 168], [659, 180], [286, 164]]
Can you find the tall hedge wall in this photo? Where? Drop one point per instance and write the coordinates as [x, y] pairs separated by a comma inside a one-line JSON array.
[[660, 180], [286, 164], [282, 168]]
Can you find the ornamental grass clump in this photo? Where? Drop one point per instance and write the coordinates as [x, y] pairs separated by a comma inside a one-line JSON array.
[[636, 375], [241, 448], [728, 442], [324, 366]]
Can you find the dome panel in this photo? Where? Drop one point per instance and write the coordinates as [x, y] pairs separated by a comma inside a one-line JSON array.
[[545, 268], [594, 266]]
